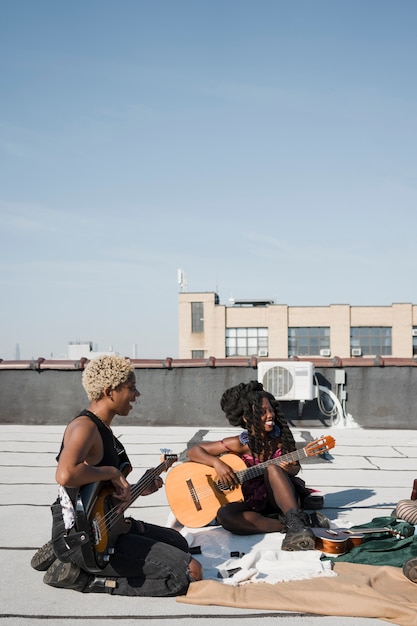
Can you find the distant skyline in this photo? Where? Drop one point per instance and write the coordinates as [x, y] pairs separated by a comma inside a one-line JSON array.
[[268, 149]]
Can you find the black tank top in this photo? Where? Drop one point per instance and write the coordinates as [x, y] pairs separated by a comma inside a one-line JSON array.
[[114, 453]]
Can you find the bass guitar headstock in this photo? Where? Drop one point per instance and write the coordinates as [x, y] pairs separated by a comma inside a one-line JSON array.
[[168, 458]]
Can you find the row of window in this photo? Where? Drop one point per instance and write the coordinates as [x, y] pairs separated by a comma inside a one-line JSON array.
[[246, 341], [302, 341], [307, 341]]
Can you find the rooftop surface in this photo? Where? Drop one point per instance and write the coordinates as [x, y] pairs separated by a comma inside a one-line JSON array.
[[363, 477]]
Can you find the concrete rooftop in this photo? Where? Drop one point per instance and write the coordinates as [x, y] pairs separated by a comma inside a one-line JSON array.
[[364, 476]]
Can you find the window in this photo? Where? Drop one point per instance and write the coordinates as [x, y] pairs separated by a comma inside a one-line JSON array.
[[414, 341], [246, 342], [197, 354], [308, 341], [371, 339], [197, 317]]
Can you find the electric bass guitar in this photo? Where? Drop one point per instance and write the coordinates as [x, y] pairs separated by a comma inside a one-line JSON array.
[[195, 494], [98, 514], [340, 540]]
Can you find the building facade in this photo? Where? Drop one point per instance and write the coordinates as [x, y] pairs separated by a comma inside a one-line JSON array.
[[265, 329]]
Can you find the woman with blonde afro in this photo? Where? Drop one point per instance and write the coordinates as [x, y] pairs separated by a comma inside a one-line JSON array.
[[148, 560]]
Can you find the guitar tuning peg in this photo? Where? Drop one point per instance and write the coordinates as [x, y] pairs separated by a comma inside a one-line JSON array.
[[165, 450]]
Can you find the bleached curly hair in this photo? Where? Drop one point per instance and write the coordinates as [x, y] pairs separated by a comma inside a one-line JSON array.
[[105, 371]]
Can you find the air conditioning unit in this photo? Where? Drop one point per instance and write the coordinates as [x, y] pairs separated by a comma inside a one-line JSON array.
[[325, 352], [356, 351], [263, 352], [414, 332], [288, 380]]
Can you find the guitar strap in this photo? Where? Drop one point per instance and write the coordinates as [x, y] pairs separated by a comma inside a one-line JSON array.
[[66, 543]]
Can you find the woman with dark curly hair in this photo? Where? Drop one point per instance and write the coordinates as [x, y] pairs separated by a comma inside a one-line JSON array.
[[271, 502]]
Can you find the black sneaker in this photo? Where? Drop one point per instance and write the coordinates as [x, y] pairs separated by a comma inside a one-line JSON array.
[[66, 576], [43, 558], [410, 569]]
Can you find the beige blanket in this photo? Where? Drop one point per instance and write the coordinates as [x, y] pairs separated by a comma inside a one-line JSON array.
[[357, 591]]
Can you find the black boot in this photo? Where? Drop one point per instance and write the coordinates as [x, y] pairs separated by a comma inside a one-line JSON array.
[[67, 576], [299, 536], [43, 558], [313, 502], [316, 520], [279, 517]]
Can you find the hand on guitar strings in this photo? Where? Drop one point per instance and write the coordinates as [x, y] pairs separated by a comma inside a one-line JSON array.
[[225, 474], [121, 492], [154, 485], [291, 467]]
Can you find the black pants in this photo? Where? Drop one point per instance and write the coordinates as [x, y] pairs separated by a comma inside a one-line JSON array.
[[149, 560]]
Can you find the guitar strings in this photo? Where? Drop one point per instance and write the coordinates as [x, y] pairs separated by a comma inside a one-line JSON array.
[[314, 448], [198, 492], [206, 489], [111, 516], [107, 520]]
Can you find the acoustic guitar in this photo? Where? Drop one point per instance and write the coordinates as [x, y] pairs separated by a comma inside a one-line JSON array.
[[195, 494], [98, 515], [341, 540]]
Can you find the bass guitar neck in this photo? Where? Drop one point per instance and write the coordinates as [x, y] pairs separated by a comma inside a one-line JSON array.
[[98, 513]]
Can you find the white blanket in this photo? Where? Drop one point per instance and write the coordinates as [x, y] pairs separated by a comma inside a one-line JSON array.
[[236, 559]]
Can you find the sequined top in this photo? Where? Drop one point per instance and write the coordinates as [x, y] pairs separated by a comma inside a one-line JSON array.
[[254, 490]]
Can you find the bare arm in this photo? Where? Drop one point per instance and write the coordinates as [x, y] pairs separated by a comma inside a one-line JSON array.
[[208, 453], [82, 449]]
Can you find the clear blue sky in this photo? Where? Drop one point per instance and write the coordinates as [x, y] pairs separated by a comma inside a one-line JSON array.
[[266, 147]]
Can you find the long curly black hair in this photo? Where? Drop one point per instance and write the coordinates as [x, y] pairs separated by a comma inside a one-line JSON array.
[[242, 405]]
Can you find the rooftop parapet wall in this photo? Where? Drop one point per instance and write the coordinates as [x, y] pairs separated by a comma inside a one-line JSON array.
[[381, 392], [42, 364]]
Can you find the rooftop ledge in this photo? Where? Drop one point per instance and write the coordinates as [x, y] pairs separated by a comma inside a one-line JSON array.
[[42, 364]]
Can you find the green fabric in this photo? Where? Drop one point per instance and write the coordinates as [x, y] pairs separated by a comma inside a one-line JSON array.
[[383, 549]]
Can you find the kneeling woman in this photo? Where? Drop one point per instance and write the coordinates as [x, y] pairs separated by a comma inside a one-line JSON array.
[[149, 560]]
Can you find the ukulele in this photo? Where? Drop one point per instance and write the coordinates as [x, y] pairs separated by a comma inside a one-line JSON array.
[[195, 494], [98, 514], [340, 540]]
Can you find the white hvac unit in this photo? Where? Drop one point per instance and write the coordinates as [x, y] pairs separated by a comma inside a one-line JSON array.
[[356, 351], [325, 352], [414, 332], [287, 380], [263, 352]]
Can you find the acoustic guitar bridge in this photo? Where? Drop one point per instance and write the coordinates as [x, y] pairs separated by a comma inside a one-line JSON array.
[[193, 494]]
